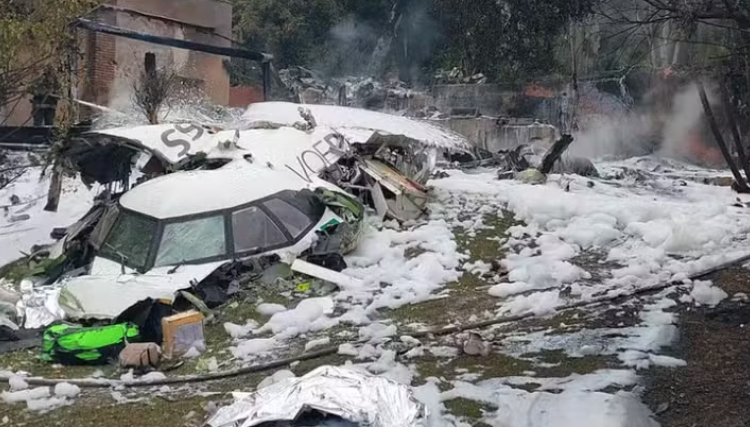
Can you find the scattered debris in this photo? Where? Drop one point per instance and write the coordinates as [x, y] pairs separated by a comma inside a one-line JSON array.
[[182, 332], [308, 87], [456, 76], [140, 356], [193, 216], [331, 392], [474, 345]]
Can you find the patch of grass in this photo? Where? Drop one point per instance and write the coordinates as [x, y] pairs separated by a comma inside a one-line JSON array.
[[571, 365], [484, 245], [464, 300], [29, 361], [468, 296], [306, 366], [102, 410], [471, 409], [495, 365]]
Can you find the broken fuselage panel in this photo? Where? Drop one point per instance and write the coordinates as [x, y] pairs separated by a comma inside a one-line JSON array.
[[314, 141], [214, 196], [172, 232]]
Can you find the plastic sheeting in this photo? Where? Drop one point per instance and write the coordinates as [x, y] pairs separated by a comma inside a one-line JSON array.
[[344, 393]]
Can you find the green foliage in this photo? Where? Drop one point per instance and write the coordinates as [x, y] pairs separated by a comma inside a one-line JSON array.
[[506, 39], [34, 35], [293, 30], [511, 40]]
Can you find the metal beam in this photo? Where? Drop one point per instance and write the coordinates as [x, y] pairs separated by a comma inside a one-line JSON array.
[[180, 44], [266, 69]]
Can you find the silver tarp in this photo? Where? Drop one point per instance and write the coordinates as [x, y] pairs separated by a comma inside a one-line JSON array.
[[353, 396], [40, 307]]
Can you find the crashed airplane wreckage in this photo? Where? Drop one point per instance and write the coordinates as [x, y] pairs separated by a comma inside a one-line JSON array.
[[202, 210]]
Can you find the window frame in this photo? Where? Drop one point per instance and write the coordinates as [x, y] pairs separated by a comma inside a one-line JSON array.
[[117, 221], [163, 226], [286, 196]]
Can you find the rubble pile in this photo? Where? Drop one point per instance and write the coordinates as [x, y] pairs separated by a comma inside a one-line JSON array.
[[456, 76], [309, 87], [516, 163]]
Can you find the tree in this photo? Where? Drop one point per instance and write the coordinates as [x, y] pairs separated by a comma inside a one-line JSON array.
[[153, 89], [295, 31], [509, 40], [34, 35], [707, 38], [37, 36]]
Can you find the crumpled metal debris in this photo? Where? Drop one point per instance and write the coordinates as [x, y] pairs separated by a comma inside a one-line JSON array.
[[40, 307], [353, 396], [512, 162], [456, 76]]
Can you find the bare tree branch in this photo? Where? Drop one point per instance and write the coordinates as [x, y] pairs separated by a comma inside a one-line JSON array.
[[152, 90]]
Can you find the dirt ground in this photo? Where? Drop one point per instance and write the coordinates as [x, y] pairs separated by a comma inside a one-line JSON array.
[[714, 388]]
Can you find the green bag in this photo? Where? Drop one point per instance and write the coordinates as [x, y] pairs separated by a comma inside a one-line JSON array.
[[74, 345]]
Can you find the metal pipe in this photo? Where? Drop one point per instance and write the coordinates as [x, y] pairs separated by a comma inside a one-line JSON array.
[[180, 44]]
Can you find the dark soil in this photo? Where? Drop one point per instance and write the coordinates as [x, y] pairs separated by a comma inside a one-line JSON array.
[[713, 390]]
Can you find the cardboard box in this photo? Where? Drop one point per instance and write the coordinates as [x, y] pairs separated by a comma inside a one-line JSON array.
[[182, 331]]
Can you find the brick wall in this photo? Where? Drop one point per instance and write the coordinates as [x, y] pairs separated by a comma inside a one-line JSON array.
[[242, 96], [107, 63], [100, 63]]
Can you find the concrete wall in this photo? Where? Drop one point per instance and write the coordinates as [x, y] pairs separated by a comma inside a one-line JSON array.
[[488, 134], [242, 96], [490, 99], [192, 20]]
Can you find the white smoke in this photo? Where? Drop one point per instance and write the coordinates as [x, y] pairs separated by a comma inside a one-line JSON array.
[[624, 136], [686, 115], [643, 130]]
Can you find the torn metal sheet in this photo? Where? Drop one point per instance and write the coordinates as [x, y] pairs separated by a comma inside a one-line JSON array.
[[357, 125], [105, 297], [350, 395], [408, 200], [414, 160], [170, 142], [378, 199], [106, 293], [343, 280]]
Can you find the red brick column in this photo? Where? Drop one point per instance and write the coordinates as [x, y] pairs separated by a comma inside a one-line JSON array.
[[100, 60]]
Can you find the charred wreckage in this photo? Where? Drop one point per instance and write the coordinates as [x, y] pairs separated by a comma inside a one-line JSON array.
[[192, 213]]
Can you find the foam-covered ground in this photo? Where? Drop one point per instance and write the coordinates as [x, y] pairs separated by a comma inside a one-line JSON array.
[[17, 237], [637, 230]]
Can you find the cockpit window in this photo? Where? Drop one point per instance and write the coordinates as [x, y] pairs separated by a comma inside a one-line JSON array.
[[191, 240], [254, 230], [258, 227], [295, 221], [130, 240]]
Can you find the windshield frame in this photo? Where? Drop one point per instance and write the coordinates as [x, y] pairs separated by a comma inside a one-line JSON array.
[[107, 251], [290, 197]]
